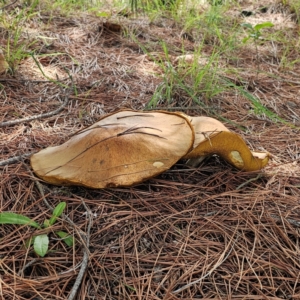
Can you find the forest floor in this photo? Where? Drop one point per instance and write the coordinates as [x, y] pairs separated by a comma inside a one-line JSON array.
[[211, 232]]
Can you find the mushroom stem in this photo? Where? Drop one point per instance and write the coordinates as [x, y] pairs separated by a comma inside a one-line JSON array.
[[232, 148]]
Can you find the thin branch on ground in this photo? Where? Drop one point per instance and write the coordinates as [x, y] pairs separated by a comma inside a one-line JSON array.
[[195, 107], [25, 80], [15, 159], [85, 258], [291, 221], [40, 116], [20, 273]]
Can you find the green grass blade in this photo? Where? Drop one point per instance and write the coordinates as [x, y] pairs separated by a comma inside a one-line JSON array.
[[263, 25], [17, 219], [66, 237], [58, 210], [259, 108]]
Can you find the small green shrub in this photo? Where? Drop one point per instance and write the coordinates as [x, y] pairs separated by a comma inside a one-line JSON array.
[[254, 33], [41, 241]]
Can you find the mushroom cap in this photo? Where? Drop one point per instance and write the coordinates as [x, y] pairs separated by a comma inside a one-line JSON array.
[[212, 137], [121, 149], [204, 127]]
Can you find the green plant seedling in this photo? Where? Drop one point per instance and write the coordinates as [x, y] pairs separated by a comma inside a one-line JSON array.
[[254, 33], [41, 241]]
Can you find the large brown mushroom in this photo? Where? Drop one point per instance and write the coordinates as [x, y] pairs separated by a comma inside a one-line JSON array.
[[128, 147], [121, 149]]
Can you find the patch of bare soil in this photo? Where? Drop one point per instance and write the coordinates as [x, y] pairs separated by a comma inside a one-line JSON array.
[[205, 233]]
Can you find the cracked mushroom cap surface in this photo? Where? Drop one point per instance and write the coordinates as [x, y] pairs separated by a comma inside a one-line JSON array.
[[121, 149]]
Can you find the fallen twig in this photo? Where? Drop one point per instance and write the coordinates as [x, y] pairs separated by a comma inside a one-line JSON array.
[[24, 80], [85, 258], [291, 221], [20, 273], [195, 107], [43, 115], [15, 159], [248, 181]]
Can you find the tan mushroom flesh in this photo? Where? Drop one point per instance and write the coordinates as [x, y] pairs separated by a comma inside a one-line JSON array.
[[212, 137], [121, 149]]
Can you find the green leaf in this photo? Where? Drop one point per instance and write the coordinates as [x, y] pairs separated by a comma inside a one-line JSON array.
[[40, 244], [67, 238], [57, 212], [102, 14], [263, 25], [46, 223], [247, 25], [255, 35], [244, 40], [13, 218], [129, 287]]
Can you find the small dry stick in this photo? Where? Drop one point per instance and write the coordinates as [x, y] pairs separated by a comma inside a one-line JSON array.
[[14, 159], [85, 258], [23, 80], [291, 221], [28, 265], [248, 181], [44, 115], [174, 108]]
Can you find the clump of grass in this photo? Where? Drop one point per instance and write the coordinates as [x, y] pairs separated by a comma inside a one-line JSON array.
[[17, 47], [190, 77], [155, 5], [294, 6], [199, 82], [71, 6], [217, 37]]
